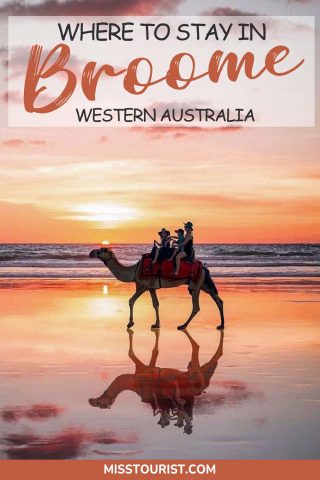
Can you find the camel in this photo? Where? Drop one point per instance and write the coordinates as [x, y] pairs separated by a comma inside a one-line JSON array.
[[130, 274], [169, 391]]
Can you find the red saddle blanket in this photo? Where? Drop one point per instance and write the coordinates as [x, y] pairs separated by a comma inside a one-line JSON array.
[[191, 271]]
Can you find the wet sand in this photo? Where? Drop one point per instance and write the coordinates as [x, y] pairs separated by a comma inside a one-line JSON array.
[[66, 341]]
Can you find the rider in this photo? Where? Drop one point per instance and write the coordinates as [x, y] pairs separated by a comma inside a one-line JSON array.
[[187, 245], [162, 250], [178, 241]]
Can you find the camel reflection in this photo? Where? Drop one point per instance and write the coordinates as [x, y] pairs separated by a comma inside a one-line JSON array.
[[169, 391]]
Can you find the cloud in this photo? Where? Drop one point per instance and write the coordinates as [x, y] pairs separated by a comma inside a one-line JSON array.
[[250, 204], [228, 12], [13, 96], [274, 24], [107, 438], [180, 132], [219, 201], [309, 175], [14, 142], [115, 453], [68, 444], [19, 142], [11, 414], [231, 393], [18, 61], [34, 412], [37, 142], [42, 412], [85, 7]]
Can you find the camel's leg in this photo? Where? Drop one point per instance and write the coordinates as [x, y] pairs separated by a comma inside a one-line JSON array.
[[139, 365], [219, 303], [155, 351], [195, 308], [140, 290], [155, 303], [217, 300]]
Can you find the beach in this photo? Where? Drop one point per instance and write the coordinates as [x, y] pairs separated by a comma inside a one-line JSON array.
[[64, 340]]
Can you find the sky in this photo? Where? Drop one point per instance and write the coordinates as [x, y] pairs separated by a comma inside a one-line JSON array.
[[122, 185]]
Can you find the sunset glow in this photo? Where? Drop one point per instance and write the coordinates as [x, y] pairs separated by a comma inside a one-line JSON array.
[[109, 215], [250, 185]]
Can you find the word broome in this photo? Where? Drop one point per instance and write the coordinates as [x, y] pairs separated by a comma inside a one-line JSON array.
[[55, 62], [170, 115]]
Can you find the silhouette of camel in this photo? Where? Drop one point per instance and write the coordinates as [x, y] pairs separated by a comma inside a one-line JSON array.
[[130, 274], [169, 391]]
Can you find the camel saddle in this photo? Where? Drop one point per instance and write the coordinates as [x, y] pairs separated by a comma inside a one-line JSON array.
[[164, 270]]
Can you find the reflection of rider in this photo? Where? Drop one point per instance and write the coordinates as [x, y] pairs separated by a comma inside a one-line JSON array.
[[170, 392]]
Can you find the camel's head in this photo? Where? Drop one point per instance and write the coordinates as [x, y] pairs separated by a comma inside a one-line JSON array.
[[104, 254]]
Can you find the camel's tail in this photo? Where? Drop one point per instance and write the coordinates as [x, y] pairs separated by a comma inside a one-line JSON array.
[[209, 282]]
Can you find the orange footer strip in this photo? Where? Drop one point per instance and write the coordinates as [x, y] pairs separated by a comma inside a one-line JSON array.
[[159, 469]]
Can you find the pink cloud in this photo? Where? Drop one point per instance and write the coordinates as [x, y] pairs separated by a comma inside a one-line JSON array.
[[180, 132], [65, 445], [14, 142], [85, 7], [230, 393], [228, 12], [37, 142], [18, 61], [13, 96], [107, 438], [18, 142], [34, 412], [62, 446]]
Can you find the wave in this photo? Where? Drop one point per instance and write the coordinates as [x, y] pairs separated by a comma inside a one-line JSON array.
[[47, 257], [57, 273], [264, 254], [242, 260]]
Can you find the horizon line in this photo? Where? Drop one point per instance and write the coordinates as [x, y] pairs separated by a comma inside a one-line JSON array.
[[147, 243]]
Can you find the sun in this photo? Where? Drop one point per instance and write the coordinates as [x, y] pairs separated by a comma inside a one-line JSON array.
[[105, 242]]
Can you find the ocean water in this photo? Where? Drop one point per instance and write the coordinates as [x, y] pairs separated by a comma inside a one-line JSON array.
[[64, 340], [223, 260], [61, 346]]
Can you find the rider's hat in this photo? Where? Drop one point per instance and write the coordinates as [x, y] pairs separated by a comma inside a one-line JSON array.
[[188, 225]]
